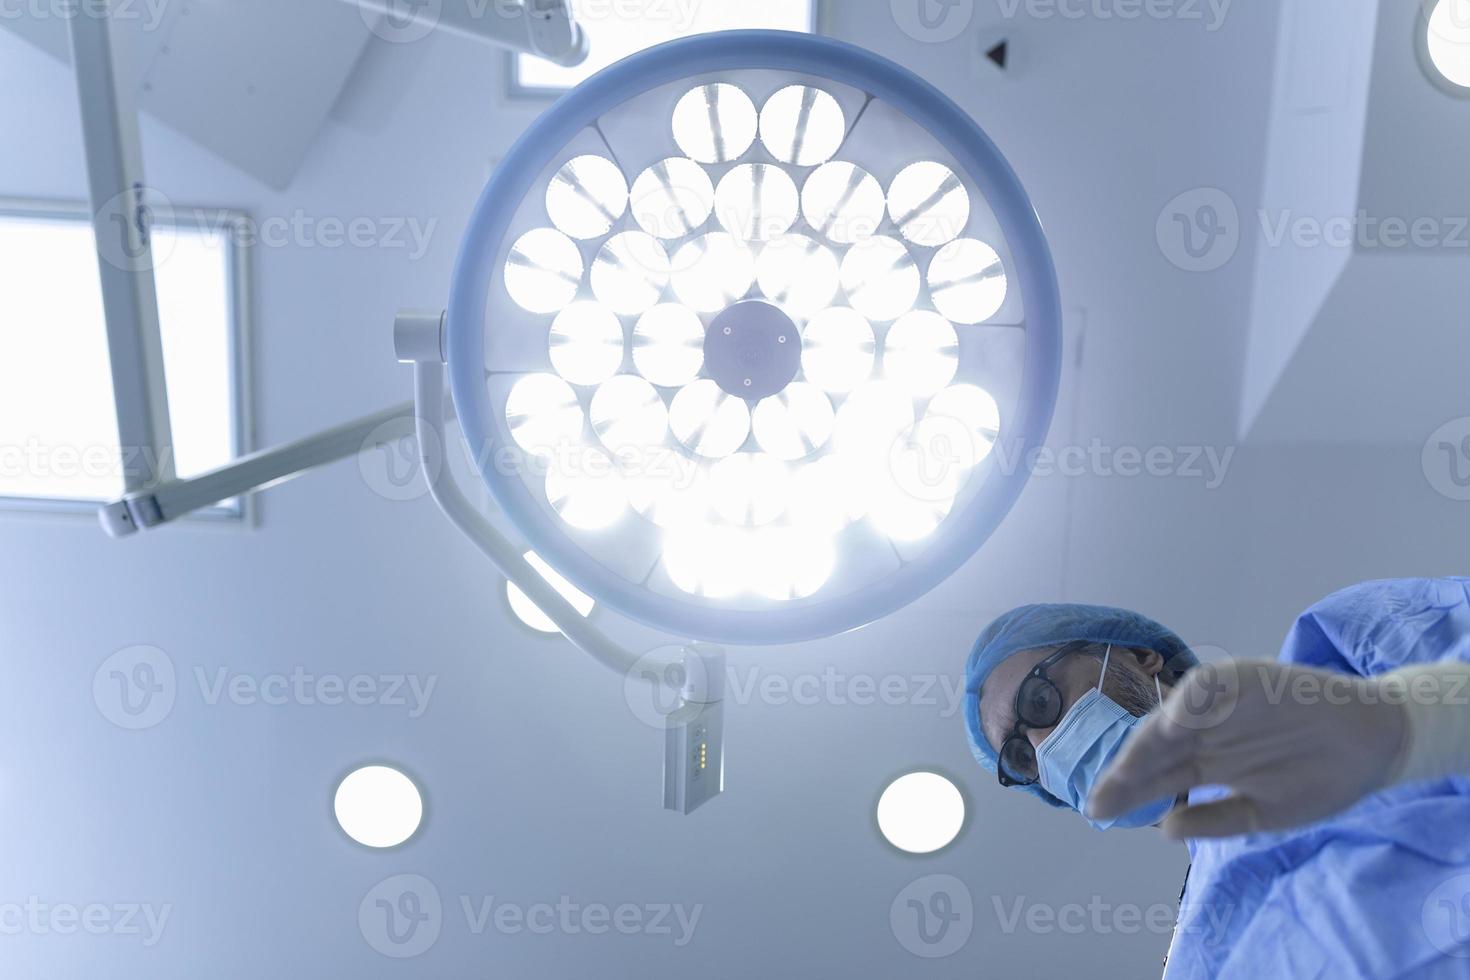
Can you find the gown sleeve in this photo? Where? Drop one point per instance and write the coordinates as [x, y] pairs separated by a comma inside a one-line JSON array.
[[1377, 627]]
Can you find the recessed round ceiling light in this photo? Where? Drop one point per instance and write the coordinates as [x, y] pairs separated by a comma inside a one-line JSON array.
[[921, 812], [529, 613], [378, 806], [754, 464], [1446, 44]]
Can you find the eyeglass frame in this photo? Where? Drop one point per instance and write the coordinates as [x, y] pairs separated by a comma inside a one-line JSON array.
[[1039, 672]]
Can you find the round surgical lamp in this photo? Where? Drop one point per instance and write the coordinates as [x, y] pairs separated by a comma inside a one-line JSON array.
[[750, 335]]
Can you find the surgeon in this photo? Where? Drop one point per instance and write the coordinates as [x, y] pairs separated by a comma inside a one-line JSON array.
[[1323, 796]]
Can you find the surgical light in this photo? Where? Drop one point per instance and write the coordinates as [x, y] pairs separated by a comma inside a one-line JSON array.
[[760, 399], [833, 298]]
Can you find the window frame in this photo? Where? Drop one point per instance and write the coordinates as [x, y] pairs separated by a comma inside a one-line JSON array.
[[235, 224], [542, 95]]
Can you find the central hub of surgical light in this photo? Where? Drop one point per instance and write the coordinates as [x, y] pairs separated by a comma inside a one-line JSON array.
[[752, 350]]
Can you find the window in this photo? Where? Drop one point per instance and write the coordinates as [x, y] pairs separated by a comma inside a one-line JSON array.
[[618, 28], [58, 426]]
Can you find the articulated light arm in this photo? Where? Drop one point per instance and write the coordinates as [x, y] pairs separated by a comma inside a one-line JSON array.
[[170, 500], [428, 391], [544, 28], [694, 730]]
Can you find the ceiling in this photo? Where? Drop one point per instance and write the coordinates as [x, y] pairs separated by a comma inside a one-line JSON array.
[[541, 783]]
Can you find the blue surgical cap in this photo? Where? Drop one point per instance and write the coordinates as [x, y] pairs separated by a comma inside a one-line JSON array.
[[1030, 627]]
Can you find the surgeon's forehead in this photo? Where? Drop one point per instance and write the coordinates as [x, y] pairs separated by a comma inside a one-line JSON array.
[[998, 693]]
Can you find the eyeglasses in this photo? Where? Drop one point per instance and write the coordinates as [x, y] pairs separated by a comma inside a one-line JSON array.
[[1038, 705]]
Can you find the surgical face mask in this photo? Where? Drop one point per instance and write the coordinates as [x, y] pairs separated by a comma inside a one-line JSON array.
[[1073, 756]]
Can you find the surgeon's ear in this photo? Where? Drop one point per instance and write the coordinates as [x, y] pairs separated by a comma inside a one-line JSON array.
[[1149, 660]]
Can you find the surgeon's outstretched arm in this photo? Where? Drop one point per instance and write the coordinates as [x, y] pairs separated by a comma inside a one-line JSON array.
[[1293, 744]]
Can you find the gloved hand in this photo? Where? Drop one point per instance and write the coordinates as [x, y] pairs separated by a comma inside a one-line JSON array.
[[1295, 745]]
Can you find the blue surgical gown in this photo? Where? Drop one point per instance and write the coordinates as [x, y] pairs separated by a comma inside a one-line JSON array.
[[1370, 893]]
